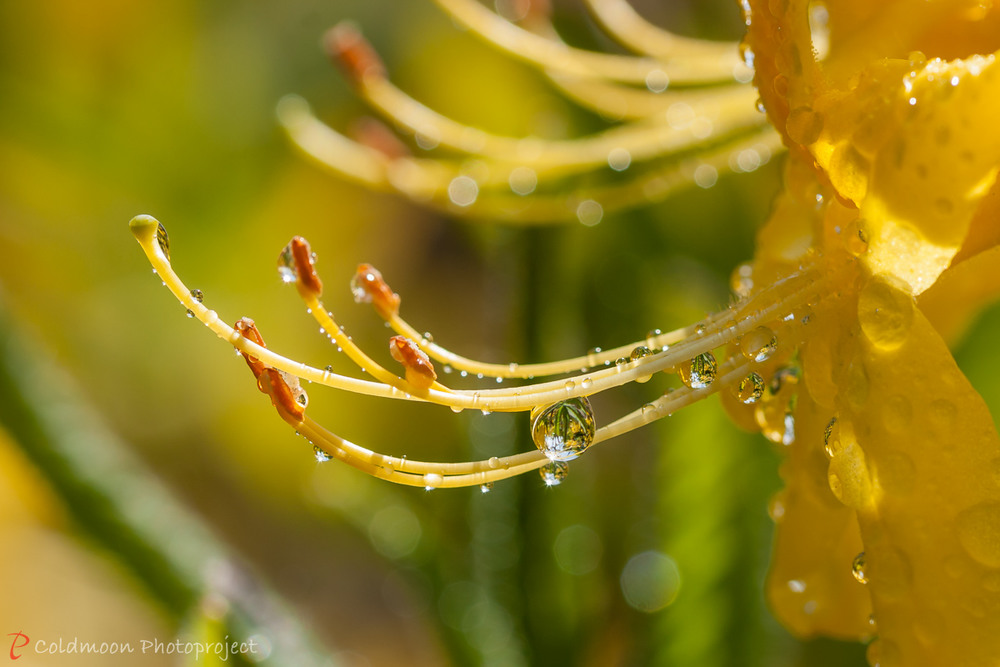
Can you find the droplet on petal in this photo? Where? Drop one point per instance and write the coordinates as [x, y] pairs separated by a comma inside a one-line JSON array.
[[858, 568]]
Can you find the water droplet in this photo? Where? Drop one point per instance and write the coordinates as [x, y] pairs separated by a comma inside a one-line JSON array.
[[804, 125], [848, 474], [858, 568], [494, 462], [657, 81], [427, 337], [979, 532], [706, 176], [286, 266], [758, 345], [621, 361], [564, 430], [589, 212], [586, 383], [553, 473], [197, 295], [750, 389], [190, 314], [486, 488], [432, 480], [639, 352], [570, 385], [619, 159], [163, 240], [741, 280], [699, 372], [463, 191], [776, 507], [523, 180], [885, 312], [321, 456], [831, 438], [797, 586]]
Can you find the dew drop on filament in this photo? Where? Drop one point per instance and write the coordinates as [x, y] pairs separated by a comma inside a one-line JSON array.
[[700, 371], [553, 473], [562, 431]]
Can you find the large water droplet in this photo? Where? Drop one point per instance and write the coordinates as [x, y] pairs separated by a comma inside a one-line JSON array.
[[885, 312], [699, 372], [848, 474], [750, 389], [858, 568], [804, 125], [486, 488], [321, 456], [197, 295], [553, 473], [758, 345], [564, 430], [639, 352]]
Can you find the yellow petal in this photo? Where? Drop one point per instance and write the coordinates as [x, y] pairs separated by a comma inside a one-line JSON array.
[[808, 587], [924, 474], [937, 163]]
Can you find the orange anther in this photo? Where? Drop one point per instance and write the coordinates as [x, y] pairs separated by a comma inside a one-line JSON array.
[[352, 52], [419, 369], [369, 287], [246, 328], [270, 380], [295, 262]]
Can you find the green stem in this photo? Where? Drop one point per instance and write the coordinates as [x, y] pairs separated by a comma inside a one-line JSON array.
[[118, 502]]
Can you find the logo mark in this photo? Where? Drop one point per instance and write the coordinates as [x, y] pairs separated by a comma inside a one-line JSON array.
[[20, 641]]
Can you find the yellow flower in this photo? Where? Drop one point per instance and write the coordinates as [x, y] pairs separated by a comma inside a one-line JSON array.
[[883, 241], [893, 159]]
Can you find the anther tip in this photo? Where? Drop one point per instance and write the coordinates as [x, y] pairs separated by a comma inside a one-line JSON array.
[[141, 224]]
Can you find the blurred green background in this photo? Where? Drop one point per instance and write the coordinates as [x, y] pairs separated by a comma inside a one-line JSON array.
[[113, 108]]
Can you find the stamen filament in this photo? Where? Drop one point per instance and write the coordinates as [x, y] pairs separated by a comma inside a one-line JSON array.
[[798, 288], [426, 180], [620, 20], [549, 54]]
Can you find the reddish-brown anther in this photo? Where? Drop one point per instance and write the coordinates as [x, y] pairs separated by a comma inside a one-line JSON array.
[[369, 287], [272, 383], [246, 328], [297, 257], [419, 369], [352, 52], [269, 380], [373, 133]]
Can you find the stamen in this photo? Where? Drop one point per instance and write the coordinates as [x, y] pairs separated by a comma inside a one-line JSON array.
[[278, 377]]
